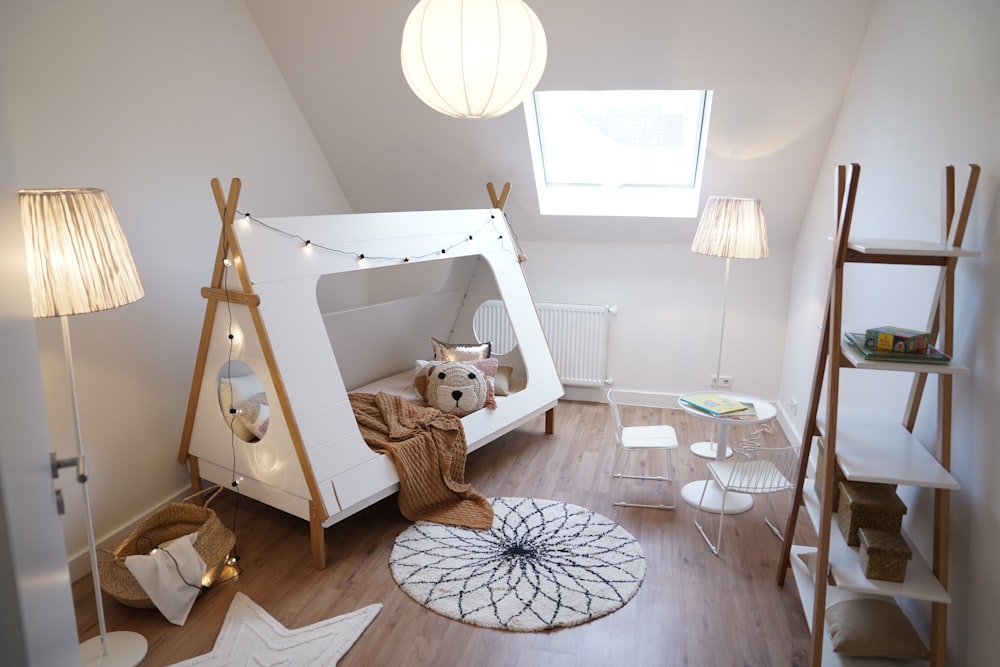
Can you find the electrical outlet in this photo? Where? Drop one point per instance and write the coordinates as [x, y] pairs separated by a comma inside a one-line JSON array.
[[722, 382], [793, 406]]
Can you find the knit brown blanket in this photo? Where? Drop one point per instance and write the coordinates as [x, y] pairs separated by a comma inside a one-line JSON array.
[[428, 448]]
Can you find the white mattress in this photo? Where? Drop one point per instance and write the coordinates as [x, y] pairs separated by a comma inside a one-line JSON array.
[[400, 384]]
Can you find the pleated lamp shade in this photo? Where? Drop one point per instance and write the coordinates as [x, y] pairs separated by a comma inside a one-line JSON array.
[[732, 227], [472, 58], [78, 259]]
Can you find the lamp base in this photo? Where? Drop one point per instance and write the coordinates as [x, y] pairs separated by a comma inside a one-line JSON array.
[[125, 649], [708, 450]]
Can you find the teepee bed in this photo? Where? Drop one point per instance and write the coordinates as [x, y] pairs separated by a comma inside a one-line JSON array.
[[303, 310]]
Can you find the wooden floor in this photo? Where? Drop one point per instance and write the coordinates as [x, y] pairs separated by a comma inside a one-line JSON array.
[[692, 609]]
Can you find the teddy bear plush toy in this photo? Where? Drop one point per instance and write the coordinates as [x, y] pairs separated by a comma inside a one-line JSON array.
[[455, 388]]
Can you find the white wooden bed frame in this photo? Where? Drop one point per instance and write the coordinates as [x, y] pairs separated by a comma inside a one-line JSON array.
[[268, 307]]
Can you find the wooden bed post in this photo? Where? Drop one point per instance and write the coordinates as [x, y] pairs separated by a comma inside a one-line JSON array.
[[499, 202], [215, 293]]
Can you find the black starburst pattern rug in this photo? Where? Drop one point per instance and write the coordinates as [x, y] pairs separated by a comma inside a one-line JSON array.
[[544, 564]]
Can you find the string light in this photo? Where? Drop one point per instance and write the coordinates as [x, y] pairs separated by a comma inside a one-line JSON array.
[[363, 259], [235, 337]]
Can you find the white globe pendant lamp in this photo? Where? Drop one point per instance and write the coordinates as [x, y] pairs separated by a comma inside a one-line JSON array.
[[473, 58]]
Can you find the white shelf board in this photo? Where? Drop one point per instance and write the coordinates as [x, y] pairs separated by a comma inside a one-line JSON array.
[[872, 446], [807, 596], [920, 583], [857, 361], [908, 248]]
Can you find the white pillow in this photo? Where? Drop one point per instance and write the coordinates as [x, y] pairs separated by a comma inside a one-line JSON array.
[[171, 576]]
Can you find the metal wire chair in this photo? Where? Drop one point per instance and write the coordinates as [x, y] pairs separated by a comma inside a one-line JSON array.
[[642, 437], [755, 469]]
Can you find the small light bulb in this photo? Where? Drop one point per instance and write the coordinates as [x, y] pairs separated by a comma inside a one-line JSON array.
[[227, 261]]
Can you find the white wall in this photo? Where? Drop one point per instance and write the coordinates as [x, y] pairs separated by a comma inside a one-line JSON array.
[[925, 94], [664, 341], [147, 101]]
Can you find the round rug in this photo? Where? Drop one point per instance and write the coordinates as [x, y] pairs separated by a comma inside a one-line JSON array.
[[544, 564]]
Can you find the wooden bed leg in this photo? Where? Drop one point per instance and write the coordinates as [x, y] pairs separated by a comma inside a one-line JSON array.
[[195, 474], [316, 537], [550, 421]]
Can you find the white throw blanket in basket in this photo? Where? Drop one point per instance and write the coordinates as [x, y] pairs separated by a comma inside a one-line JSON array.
[[171, 576]]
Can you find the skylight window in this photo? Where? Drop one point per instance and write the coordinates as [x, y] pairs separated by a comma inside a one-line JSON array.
[[618, 152]]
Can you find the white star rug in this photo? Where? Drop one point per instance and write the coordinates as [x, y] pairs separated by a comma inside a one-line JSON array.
[[253, 638]]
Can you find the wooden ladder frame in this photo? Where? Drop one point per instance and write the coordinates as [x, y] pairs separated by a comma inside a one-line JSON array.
[[214, 294], [940, 323]]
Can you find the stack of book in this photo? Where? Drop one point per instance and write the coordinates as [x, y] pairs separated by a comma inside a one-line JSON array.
[[720, 406], [930, 355]]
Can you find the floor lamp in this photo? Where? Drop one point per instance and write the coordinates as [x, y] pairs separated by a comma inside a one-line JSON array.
[[79, 262], [730, 227]]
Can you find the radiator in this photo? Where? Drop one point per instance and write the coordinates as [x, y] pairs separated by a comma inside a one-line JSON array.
[[577, 336]]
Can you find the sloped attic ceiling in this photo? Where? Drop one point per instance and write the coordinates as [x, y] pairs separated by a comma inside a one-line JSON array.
[[779, 69]]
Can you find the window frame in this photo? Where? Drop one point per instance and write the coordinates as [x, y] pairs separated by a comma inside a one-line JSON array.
[[626, 200]]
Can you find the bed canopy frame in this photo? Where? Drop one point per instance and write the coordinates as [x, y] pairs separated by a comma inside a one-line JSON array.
[[295, 300]]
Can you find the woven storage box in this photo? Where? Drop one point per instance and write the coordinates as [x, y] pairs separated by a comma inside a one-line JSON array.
[[214, 544], [883, 555], [838, 474], [866, 505]]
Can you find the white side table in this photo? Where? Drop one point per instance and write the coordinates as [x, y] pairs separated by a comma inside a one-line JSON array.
[[736, 503]]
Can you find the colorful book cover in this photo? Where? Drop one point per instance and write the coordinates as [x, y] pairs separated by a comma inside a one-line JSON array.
[[713, 403], [748, 412], [931, 355], [897, 339]]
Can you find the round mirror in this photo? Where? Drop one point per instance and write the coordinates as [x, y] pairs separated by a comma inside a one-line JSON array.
[[243, 401], [491, 324]]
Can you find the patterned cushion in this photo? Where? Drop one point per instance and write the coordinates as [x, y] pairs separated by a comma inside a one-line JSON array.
[[460, 351]]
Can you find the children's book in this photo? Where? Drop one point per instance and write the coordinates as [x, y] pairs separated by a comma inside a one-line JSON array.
[[713, 404], [931, 355], [749, 412]]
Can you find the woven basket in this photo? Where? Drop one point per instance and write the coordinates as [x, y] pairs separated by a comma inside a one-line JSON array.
[[214, 544], [883, 555], [868, 505]]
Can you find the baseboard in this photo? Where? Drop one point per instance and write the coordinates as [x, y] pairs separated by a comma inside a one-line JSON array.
[[626, 396]]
